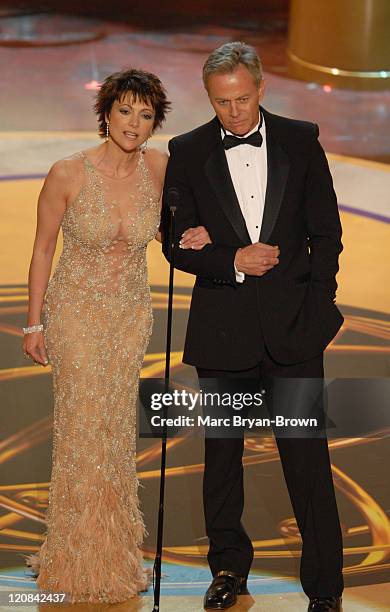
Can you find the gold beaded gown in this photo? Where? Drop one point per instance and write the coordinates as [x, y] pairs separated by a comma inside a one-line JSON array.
[[97, 324]]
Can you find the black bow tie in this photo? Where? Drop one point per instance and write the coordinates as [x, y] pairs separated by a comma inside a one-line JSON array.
[[254, 139]]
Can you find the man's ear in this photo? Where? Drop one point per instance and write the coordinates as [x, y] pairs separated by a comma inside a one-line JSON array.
[[261, 90]]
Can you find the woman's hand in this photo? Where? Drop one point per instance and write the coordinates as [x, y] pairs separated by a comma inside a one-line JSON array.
[[34, 347], [195, 238]]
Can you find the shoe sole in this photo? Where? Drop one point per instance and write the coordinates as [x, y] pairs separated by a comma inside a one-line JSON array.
[[218, 607], [243, 591]]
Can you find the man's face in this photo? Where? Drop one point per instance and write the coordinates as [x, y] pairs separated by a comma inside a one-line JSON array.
[[235, 98]]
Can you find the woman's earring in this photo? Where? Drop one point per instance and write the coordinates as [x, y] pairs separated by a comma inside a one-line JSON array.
[[144, 146], [107, 130]]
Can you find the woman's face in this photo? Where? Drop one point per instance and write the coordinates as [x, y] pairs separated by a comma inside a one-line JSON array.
[[131, 122]]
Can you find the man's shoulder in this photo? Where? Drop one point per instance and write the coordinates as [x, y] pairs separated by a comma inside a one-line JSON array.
[[196, 137], [291, 127]]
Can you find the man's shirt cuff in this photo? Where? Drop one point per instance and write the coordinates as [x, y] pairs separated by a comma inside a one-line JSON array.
[[240, 276]]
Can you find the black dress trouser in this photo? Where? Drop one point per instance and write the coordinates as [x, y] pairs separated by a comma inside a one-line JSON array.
[[306, 466]]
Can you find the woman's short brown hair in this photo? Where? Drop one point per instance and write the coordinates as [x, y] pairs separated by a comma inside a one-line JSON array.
[[143, 85]]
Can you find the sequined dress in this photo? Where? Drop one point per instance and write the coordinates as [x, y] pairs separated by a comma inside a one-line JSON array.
[[97, 324]]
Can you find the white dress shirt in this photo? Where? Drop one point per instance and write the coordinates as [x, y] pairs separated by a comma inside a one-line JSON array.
[[248, 170]]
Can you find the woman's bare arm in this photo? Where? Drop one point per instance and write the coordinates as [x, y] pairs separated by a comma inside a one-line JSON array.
[[51, 208], [158, 164], [193, 238]]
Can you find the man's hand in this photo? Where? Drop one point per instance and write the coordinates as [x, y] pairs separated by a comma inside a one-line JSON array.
[[256, 259], [195, 238]]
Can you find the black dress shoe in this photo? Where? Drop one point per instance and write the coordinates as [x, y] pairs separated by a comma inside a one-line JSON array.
[[222, 592], [325, 604]]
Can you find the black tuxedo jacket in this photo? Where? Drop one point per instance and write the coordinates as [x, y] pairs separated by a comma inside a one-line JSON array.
[[291, 309]]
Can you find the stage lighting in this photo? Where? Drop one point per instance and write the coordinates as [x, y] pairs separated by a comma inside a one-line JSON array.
[[92, 85]]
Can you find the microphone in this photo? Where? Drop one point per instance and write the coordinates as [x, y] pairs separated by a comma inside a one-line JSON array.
[[173, 199]]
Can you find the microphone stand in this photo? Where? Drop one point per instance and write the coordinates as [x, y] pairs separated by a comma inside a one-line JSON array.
[[173, 196]]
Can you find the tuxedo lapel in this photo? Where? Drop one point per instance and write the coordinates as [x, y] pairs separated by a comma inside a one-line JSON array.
[[277, 173], [217, 172]]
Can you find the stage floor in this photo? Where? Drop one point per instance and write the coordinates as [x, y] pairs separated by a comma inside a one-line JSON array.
[[356, 599]]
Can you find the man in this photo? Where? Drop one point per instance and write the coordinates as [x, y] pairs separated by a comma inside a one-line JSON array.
[[263, 303]]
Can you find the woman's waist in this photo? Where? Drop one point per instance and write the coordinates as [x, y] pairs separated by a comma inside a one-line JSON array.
[[65, 288], [74, 269], [82, 255]]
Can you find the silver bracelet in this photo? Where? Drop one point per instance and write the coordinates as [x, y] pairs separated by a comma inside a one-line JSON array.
[[32, 329]]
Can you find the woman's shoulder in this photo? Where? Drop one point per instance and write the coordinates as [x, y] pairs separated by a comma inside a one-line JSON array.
[[66, 175], [68, 166], [156, 157], [156, 160]]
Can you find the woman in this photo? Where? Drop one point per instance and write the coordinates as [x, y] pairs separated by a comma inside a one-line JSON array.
[[97, 324]]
